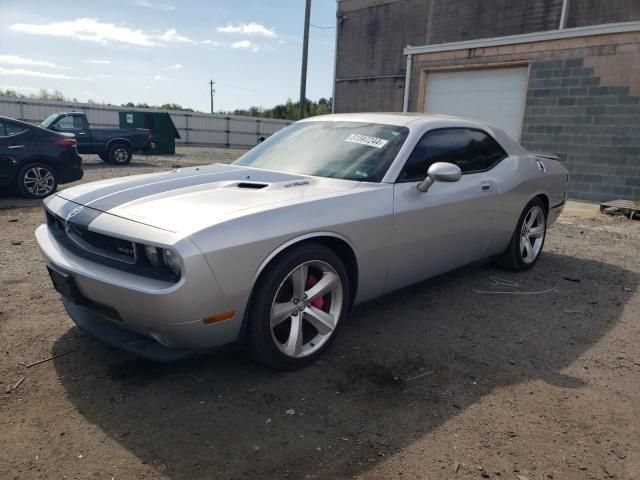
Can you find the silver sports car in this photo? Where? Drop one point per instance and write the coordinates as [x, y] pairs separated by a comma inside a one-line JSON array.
[[271, 251]]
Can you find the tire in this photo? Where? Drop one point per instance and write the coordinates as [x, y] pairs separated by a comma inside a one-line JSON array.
[[520, 255], [119, 153], [37, 180], [271, 332]]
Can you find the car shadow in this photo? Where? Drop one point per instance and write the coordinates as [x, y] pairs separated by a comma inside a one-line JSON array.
[[401, 367], [10, 199]]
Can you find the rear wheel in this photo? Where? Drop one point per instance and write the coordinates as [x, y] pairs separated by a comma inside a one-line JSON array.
[[528, 238], [297, 307], [119, 153], [37, 180]]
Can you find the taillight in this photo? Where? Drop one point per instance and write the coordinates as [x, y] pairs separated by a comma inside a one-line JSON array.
[[66, 142]]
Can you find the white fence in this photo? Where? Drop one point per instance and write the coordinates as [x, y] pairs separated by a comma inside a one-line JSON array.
[[194, 128]]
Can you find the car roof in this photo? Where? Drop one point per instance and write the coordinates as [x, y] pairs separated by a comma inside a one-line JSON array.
[[15, 120], [35, 127], [394, 118], [422, 121]]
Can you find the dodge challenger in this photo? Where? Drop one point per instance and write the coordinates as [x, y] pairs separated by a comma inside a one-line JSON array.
[[270, 252]]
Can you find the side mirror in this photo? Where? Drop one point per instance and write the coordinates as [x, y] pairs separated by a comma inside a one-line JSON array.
[[54, 127], [440, 172]]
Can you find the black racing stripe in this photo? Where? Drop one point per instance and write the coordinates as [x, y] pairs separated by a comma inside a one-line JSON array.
[[112, 196], [136, 182], [78, 214]]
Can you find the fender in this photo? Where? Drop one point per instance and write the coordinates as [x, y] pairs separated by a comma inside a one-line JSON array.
[[293, 241], [119, 140]]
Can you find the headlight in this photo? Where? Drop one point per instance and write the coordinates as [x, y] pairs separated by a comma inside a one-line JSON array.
[[152, 255], [171, 261]]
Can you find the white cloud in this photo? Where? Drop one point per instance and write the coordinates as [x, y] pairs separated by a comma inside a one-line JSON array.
[[99, 62], [252, 28], [241, 44], [172, 36], [158, 77], [211, 42], [88, 29], [16, 60], [177, 66], [148, 4], [33, 73]]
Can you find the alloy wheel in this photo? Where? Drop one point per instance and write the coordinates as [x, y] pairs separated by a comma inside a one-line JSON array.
[[38, 181], [120, 155], [532, 234], [306, 309]]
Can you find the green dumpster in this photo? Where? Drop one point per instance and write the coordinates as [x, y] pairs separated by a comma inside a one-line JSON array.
[[163, 131]]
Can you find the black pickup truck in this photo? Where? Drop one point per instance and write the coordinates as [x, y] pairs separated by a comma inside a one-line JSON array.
[[113, 145]]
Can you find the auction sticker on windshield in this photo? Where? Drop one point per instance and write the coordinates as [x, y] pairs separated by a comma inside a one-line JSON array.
[[366, 140]]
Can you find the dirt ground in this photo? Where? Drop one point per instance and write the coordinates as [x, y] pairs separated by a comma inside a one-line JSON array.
[[437, 381]]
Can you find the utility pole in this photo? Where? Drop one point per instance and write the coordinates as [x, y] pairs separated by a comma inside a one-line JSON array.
[[213, 92], [305, 51]]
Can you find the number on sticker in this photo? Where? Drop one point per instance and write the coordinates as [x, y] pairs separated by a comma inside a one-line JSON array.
[[366, 140]]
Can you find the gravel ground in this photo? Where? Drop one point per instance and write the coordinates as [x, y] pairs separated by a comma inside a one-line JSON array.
[[437, 381]]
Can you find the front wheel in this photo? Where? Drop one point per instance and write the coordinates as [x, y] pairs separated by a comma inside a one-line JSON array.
[[298, 305], [120, 154], [528, 238]]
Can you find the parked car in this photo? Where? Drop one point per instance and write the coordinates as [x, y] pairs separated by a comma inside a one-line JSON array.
[[272, 250], [114, 145], [34, 161]]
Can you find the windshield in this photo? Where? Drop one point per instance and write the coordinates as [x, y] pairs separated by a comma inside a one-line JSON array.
[[347, 150], [46, 123]]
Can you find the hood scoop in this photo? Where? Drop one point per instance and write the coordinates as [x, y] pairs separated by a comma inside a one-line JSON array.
[[251, 185]]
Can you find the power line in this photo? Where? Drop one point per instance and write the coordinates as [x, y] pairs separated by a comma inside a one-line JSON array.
[[322, 28]]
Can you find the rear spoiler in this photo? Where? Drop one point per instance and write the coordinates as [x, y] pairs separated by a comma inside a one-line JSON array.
[[550, 156]]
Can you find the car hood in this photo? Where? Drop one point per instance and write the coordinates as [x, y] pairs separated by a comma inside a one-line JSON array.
[[188, 199]]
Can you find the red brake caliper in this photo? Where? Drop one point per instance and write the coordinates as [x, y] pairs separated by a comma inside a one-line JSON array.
[[318, 302]]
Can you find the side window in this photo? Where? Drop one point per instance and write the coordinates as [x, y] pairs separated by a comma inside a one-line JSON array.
[[77, 123], [488, 151], [66, 123], [8, 129], [471, 150]]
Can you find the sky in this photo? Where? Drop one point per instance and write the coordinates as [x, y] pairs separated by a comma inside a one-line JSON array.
[[161, 51]]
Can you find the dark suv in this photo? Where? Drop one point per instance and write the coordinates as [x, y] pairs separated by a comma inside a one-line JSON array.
[[34, 160]]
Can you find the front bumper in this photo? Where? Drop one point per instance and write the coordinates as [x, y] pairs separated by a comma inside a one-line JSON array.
[[153, 318], [97, 326]]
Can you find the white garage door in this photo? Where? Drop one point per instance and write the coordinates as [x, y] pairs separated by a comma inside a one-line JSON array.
[[495, 96]]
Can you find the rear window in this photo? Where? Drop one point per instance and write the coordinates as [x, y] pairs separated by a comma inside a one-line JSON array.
[[9, 129]]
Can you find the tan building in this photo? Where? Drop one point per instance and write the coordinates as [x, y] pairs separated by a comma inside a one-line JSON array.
[[558, 75]]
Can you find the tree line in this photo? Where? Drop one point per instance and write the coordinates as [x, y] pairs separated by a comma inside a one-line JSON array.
[[286, 111]]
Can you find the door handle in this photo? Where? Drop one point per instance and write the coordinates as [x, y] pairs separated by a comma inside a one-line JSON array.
[[16, 146], [485, 186], [82, 133]]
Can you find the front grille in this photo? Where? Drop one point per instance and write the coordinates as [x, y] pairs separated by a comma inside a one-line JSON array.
[[105, 249], [96, 243], [109, 246]]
